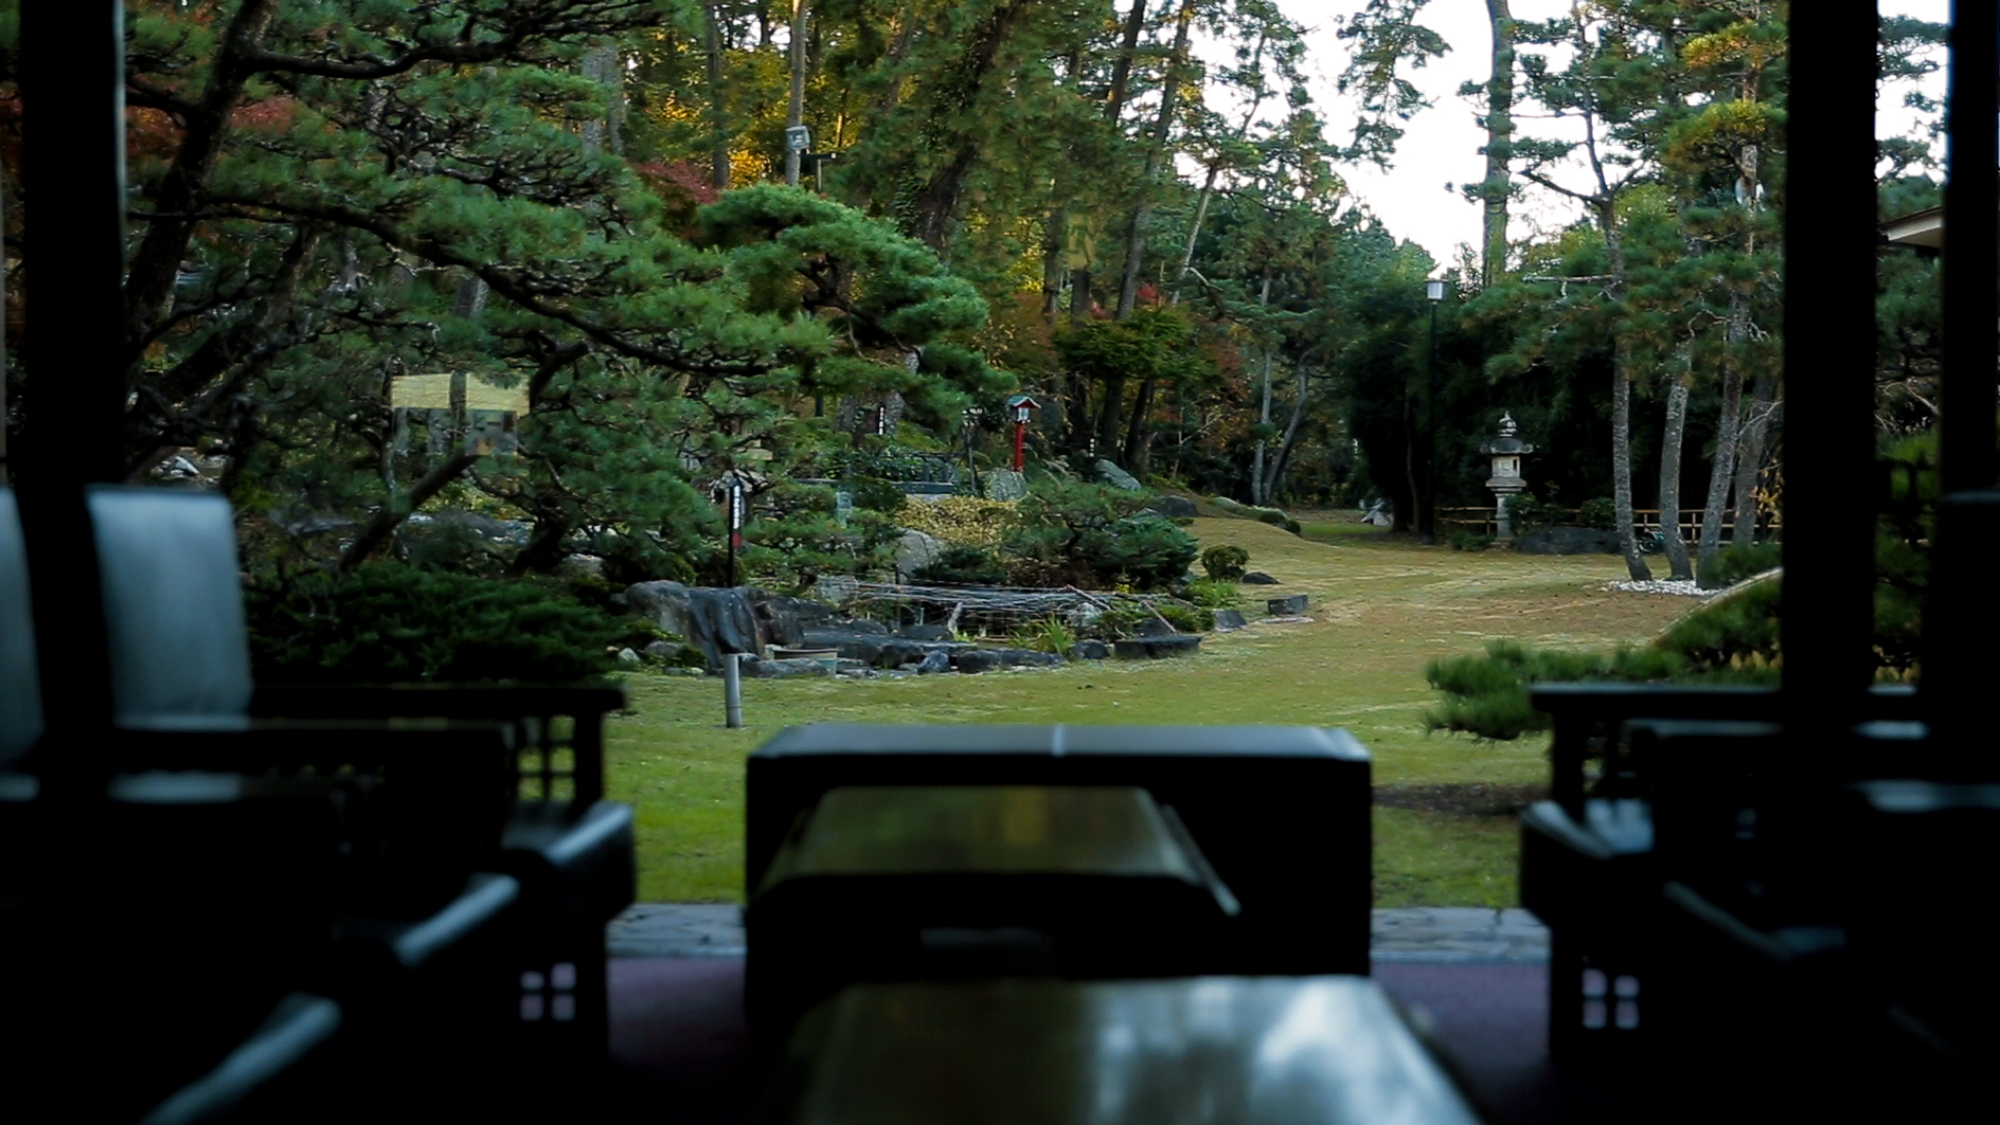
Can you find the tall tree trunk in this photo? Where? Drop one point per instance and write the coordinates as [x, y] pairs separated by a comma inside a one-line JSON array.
[[1264, 417], [1110, 417], [1621, 400], [1114, 108], [718, 107], [1722, 466], [1750, 457], [1499, 142], [1156, 159], [1621, 461], [937, 205], [1264, 421], [1056, 228], [796, 107], [1284, 458], [1670, 480], [1135, 429]]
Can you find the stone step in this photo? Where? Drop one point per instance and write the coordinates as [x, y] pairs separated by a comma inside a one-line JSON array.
[[1439, 934]]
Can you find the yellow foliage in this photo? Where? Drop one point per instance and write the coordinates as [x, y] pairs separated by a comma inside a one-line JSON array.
[[959, 521]]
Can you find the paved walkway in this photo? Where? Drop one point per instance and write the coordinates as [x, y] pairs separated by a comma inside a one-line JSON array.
[[1443, 934]]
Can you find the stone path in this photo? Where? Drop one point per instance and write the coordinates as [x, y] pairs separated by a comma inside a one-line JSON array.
[[1441, 934]]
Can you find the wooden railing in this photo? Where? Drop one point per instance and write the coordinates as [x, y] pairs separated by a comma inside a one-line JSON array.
[[1645, 520]]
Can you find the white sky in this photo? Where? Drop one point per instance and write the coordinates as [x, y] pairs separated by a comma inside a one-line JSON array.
[[1441, 145]]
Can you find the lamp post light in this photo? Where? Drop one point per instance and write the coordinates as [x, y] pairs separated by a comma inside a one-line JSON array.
[[1022, 407], [1433, 289]]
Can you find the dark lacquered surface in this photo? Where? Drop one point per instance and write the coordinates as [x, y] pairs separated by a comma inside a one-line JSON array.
[[1237, 1050], [996, 829], [883, 738]]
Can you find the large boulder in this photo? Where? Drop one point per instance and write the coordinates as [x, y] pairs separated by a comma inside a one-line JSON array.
[[924, 633], [1158, 648], [1089, 649], [783, 621], [717, 621], [975, 660], [849, 644], [915, 551], [937, 660], [1005, 484], [1229, 619], [1108, 473], [1568, 541], [785, 669], [1175, 507]]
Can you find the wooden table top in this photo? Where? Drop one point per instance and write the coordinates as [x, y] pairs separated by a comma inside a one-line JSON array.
[[1235, 1050]]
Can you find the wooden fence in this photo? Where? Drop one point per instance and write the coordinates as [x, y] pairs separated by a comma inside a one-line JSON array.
[[1483, 521]]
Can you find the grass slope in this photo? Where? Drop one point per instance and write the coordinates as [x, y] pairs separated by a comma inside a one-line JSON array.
[[1382, 607]]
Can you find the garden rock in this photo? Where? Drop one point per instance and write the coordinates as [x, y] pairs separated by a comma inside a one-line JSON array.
[[1116, 477], [835, 589], [782, 620], [1175, 507], [1567, 541], [846, 643], [1228, 619], [581, 568], [785, 669], [863, 625], [915, 551], [627, 656], [1290, 606], [937, 660], [1158, 648], [896, 653], [976, 660], [1089, 650], [1005, 484], [1150, 626], [924, 633], [717, 621], [1258, 578]]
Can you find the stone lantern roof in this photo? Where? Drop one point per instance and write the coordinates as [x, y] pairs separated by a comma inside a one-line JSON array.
[[1507, 443]]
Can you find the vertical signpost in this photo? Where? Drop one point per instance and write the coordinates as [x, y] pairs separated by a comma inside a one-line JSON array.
[[1021, 407], [732, 488]]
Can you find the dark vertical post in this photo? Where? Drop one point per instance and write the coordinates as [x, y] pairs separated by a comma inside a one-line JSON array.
[[1961, 599], [1972, 229], [1431, 439], [1829, 440], [73, 107]]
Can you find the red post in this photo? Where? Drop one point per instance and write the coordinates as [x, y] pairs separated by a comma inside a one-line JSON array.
[[1020, 442]]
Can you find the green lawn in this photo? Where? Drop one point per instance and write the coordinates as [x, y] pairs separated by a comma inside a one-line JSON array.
[[1382, 608]]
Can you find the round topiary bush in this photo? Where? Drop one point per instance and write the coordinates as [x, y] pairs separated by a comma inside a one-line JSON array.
[[1225, 562]]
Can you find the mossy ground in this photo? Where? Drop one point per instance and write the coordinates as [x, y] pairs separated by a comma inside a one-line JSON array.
[[1382, 607]]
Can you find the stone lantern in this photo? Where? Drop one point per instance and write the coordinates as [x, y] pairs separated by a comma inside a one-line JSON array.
[[1506, 451]]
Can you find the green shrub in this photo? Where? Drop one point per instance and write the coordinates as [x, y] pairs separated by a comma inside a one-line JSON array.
[[1526, 513], [1047, 634], [875, 494], [1224, 562], [1470, 541], [1214, 593], [1736, 563], [1187, 618], [1149, 554], [1088, 535], [1600, 513], [390, 623], [964, 566]]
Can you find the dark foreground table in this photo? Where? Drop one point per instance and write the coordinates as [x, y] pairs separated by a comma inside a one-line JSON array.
[[681, 1044]]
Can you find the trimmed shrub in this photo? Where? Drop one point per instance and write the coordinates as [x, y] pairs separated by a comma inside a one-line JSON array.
[[1225, 562], [1470, 541], [964, 566], [391, 623]]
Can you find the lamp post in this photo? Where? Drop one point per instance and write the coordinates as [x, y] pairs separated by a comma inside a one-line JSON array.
[[973, 415], [1021, 406], [1433, 289]]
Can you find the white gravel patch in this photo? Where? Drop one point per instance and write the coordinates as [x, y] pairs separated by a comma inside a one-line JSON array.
[[1686, 588]]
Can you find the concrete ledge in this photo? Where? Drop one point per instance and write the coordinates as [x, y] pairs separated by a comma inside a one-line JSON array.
[[1432, 934]]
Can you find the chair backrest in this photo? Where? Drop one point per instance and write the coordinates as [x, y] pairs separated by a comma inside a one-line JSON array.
[[20, 690], [173, 606]]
